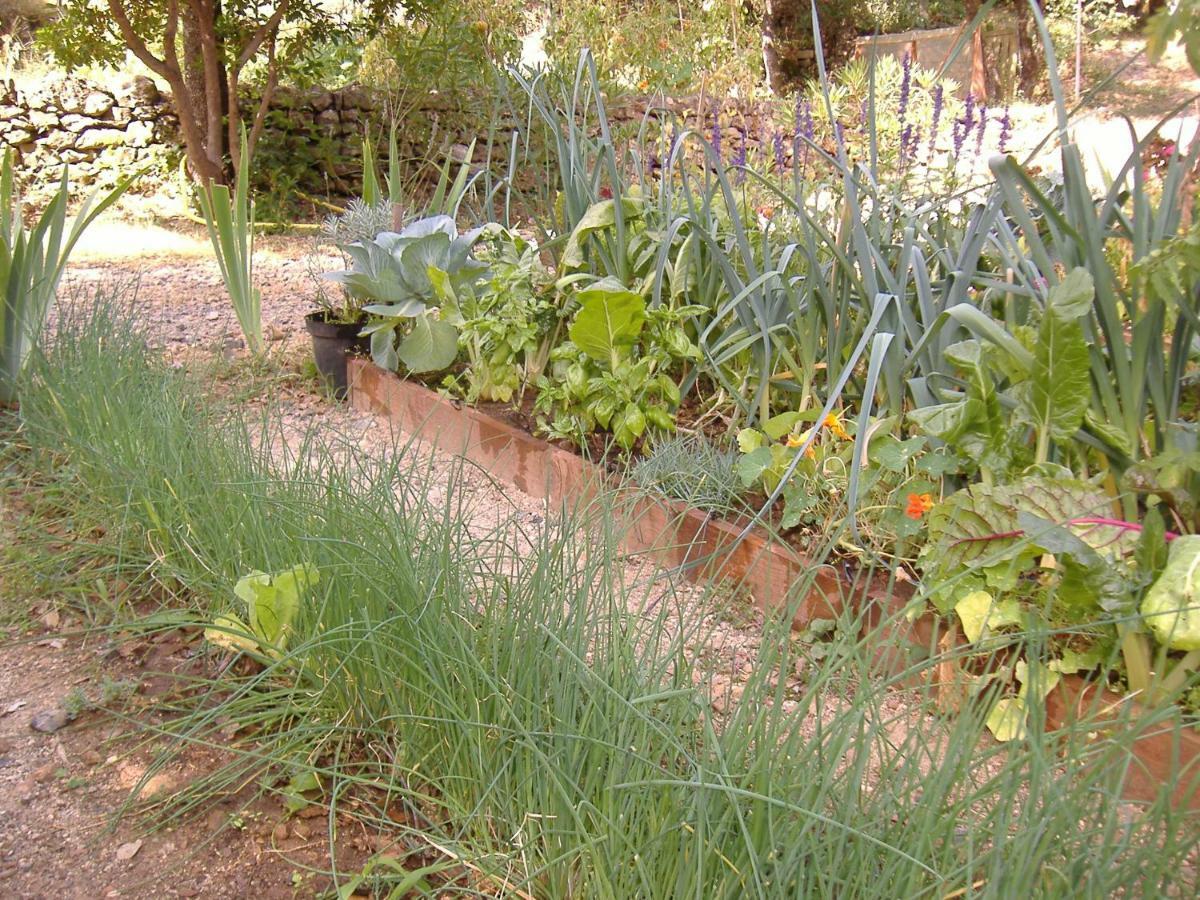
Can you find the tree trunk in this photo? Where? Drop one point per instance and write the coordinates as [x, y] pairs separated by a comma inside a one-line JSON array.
[[770, 51], [198, 26], [1029, 66]]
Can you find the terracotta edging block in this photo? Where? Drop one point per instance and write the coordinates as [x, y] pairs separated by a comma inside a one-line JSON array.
[[674, 535], [709, 548]]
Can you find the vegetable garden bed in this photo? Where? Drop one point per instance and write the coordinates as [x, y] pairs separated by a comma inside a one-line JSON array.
[[705, 547]]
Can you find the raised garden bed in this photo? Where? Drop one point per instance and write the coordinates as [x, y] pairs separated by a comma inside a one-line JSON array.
[[705, 548]]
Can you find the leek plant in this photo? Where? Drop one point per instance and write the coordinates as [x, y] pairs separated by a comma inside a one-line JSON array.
[[229, 218], [32, 262]]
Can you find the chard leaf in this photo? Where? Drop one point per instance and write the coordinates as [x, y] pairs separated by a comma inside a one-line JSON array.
[[610, 318], [1172, 605], [980, 613], [1058, 391], [597, 217]]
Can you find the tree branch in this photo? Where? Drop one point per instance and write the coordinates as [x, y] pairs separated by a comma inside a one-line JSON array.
[[269, 28], [264, 103], [137, 45]]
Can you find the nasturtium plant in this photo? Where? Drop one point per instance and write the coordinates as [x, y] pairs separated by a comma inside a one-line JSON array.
[[272, 602]]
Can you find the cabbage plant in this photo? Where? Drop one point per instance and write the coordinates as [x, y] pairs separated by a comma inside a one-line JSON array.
[[402, 277]]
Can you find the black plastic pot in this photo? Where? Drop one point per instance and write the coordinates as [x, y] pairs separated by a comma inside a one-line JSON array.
[[331, 342]]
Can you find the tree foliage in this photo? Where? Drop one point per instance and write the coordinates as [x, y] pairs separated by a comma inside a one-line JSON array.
[[201, 49]]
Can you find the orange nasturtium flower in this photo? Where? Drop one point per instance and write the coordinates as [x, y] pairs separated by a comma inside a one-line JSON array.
[[797, 440], [918, 505], [833, 422]]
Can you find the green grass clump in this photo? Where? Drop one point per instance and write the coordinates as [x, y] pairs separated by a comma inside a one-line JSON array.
[[509, 700], [692, 469]]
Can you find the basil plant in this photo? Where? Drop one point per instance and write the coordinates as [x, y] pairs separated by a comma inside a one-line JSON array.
[[401, 278]]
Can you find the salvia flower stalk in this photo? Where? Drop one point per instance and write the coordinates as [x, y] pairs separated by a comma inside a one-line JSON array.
[[939, 103], [1005, 129]]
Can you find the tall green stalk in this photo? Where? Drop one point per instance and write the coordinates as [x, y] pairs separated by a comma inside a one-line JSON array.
[[230, 222], [32, 262]]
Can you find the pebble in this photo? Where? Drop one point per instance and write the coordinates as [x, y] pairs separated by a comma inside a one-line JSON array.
[[49, 721]]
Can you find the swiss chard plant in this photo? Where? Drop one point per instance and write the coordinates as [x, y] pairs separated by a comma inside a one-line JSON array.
[[618, 369], [1019, 393]]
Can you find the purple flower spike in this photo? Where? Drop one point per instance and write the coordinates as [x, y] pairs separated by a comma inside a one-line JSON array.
[[716, 134], [983, 112], [739, 160], [914, 142], [939, 102], [777, 146], [905, 89], [963, 126], [1005, 130], [805, 130]]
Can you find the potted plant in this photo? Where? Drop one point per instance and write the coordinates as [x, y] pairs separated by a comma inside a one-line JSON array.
[[336, 325], [407, 283]]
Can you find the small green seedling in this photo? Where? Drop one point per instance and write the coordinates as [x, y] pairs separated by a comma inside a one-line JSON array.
[[272, 602]]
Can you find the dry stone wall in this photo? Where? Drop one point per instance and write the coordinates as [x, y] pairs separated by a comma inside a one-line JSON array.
[[106, 130], [102, 131]]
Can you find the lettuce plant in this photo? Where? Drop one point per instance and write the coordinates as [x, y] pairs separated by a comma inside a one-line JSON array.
[[272, 602]]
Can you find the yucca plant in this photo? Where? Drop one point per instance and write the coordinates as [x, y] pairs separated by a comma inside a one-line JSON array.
[[32, 262], [229, 218]]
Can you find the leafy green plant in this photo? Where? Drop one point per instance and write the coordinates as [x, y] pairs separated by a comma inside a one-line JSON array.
[[615, 370], [229, 219], [272, 603], [1035, 379], [32, 262], [397, 277], [508, 322]]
